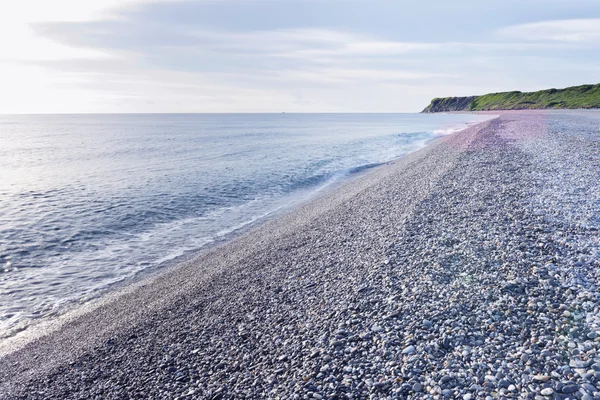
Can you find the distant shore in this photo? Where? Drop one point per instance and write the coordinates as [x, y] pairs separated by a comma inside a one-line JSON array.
[[575, 97], [464, 270]]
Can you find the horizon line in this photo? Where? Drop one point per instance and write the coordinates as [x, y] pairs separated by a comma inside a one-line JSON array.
[[208, 113]]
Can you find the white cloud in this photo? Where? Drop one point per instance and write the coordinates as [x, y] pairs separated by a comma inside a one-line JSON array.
[[366, 76], [26, 85], [19, 42], [310, 42], [31, 11], [568, 30]]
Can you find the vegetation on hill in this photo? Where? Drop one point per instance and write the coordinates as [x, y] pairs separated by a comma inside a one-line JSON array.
[[585, 96]]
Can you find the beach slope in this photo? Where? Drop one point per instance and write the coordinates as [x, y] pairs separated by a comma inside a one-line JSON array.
[[467, 269]]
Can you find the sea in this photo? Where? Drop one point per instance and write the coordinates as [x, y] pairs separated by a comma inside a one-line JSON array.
[[91, 202]]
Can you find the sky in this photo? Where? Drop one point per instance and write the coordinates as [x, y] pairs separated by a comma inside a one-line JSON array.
[[143, 56]]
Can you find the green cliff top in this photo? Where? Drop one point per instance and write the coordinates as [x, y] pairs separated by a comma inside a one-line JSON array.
[[585, 96]]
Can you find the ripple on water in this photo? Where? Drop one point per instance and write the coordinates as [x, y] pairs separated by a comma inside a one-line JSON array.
[[89, 201]]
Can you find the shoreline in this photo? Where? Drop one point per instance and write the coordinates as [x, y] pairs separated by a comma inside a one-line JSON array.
[[48, 325], [40, 327], [55, 334], [410, 280]]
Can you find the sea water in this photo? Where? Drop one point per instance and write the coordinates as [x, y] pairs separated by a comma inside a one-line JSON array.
[[89, 201]]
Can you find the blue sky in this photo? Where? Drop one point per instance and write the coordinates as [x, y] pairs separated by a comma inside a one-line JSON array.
[[287, 55]]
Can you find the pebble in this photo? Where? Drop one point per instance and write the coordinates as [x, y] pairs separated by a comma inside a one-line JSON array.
[[472, 274], [547, 392], [570, 389], [588, 388]]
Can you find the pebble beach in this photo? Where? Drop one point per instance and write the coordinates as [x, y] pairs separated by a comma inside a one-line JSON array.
[[466, 270]]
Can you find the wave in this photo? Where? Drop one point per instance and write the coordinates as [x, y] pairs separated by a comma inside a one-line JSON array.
[[162, 188]]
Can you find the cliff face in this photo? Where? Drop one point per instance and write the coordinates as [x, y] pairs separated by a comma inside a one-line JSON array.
[[585, 96], [449, 104]]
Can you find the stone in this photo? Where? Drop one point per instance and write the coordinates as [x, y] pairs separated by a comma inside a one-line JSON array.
[[570, 389], [579, 364], [588, 388], [547, 392]]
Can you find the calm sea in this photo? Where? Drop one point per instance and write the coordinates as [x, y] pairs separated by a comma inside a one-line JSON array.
[[87, 201]]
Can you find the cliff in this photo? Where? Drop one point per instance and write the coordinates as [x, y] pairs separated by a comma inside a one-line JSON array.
[[442, 104], [585, 96]]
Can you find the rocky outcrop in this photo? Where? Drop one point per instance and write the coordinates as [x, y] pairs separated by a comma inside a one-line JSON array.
[[449, 104]]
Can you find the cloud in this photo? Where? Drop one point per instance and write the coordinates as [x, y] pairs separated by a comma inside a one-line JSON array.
[[310, 55], [336, 76], [569, 30], [30, 11], [20, 41], [263, 55]]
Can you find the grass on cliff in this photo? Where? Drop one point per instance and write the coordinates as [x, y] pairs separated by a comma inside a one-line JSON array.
[[585, 96]]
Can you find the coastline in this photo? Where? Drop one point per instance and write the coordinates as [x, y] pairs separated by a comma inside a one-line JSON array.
[[31, 328], [339, 190], [109, 230], [232, 250], [350, 270]]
